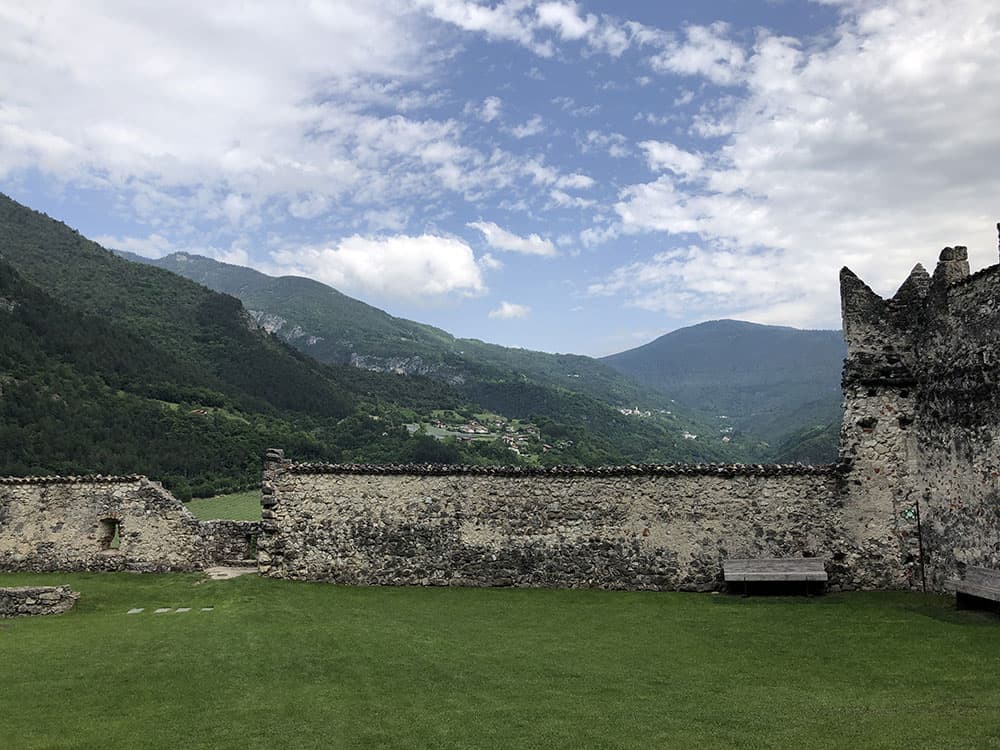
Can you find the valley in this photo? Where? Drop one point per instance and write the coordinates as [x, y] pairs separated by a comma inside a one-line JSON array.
[[119, 366]]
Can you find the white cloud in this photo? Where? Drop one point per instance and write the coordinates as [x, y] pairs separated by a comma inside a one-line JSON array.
[[501, 239], [151, 246], [568, 104], [200, 125], [157, 246], [309, 206], [563, 199], [707, 52], [490, 263], [504, 20], [699, 281], [597, 235], [865, 151], [614, 144], [527, 24], [663, 155], [399, 266], [532, 127], [509, 311], [490, 109], [566, 19], [179, 103], [542, 174]]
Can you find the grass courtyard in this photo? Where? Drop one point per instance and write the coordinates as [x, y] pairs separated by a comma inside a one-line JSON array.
[[303, 665], [237, 506]]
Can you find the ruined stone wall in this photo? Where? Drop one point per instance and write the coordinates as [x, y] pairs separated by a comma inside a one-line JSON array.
[[26, 601], [69, 523], [663, 528], [957, 427], [922, 417], [230, 542]]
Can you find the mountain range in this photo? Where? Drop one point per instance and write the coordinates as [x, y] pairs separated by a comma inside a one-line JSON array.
[[185, 369], [778, 388]]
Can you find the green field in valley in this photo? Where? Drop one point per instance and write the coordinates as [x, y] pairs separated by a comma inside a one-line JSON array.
[[238, 506], [306, 665]]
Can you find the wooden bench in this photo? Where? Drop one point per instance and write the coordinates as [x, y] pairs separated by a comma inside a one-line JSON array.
[[979, 583], [774, 570]]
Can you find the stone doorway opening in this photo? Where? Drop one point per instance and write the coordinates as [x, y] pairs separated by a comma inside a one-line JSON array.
[[109, 534], [251, 548]]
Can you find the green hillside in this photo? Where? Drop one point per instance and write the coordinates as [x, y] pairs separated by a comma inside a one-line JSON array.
[[763, 387], [337, 329], [115, 367], [576, 398], [774, 383]]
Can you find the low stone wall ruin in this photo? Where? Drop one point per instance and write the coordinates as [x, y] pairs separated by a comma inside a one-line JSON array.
[[230, 542], [25, 601], [109, 523]]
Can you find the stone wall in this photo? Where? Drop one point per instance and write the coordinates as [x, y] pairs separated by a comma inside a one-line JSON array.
[[108, 523], [230, 542], [665, 527], [23, 601], [922, 417]]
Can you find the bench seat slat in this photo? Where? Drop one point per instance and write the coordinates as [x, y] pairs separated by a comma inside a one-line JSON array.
[[774, 569], [983, 577], [974, 589], [791, 576]]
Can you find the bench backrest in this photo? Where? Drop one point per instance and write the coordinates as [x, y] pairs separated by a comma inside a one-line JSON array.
[[774, 565]]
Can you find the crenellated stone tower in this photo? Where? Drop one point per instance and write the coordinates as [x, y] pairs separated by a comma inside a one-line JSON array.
[[921, 431]]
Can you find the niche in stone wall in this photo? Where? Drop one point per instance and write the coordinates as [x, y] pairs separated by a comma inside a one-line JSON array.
[[251, 548], [109, 534]]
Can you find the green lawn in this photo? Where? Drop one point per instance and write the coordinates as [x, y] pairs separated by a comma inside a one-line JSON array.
[[239, 506], [301, 665]]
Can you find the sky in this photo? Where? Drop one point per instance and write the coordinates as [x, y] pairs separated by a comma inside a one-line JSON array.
[[565, 176]]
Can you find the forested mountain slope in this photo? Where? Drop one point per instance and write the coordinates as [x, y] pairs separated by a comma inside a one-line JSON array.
[[338, 329], [578, 397], [772, 385], [769, 381], [112, 366]]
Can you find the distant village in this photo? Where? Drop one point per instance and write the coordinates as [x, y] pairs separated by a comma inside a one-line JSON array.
[[522, 438]]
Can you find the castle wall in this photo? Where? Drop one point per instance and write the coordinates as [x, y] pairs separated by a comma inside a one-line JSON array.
[[922, 418], [663, 528], [957, 429], [67, 523]]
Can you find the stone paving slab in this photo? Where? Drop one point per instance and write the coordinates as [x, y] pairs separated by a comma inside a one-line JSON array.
[[225, 572]]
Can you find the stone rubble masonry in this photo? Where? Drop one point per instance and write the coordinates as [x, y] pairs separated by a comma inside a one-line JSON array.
[[230, 542], [65, 523], [922, 418], [627, 528], [22, 601]]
